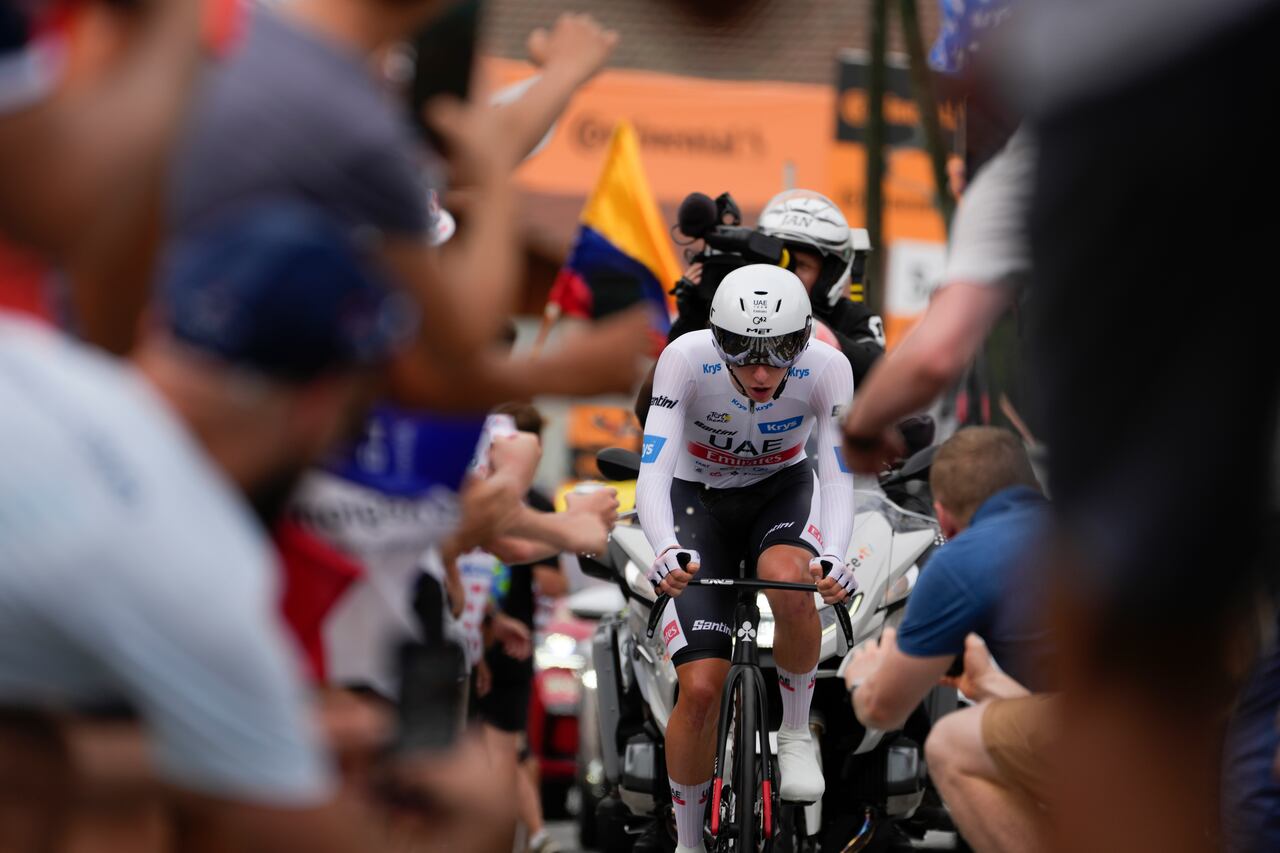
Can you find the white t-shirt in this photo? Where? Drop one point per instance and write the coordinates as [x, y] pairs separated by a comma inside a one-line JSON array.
[[131, 571], [989, 242]]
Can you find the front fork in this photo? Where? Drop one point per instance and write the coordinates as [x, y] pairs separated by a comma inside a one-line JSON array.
[[745, 669]]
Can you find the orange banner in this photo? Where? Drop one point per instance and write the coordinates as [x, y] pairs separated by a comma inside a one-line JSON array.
[[750, 138]]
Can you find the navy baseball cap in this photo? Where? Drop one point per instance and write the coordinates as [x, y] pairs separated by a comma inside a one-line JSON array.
[[280, 288]]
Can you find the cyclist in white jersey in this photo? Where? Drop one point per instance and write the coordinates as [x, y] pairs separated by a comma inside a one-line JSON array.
[[725, 480]]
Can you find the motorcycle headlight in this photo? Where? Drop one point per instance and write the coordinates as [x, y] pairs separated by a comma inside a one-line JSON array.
[[558, 651]]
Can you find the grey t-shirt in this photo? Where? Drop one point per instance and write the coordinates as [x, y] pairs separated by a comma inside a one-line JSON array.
[[291, 114]]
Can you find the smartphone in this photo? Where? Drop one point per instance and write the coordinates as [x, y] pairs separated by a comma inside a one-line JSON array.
[[444, 58], [431, 685]]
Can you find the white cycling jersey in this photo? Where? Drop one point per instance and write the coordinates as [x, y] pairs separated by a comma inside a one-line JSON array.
[[701, 429]]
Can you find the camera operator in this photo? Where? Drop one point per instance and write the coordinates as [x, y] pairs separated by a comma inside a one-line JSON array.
[[801, 230]]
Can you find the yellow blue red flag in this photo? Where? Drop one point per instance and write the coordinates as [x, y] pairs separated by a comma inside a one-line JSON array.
[[621, 254]]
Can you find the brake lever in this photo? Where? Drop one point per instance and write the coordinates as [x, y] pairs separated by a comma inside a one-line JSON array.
[[846, 624], [660, 603], [655, 613]]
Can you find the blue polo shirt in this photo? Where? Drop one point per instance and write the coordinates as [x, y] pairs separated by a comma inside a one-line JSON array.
[[980, 582]]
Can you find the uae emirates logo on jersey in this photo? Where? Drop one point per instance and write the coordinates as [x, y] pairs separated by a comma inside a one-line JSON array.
[[733, 460]]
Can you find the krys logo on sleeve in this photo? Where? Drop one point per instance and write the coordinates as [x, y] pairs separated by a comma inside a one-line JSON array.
[[651, 447]]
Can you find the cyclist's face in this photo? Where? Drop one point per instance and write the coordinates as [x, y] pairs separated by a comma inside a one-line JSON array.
[[760, 380], [807, 266]]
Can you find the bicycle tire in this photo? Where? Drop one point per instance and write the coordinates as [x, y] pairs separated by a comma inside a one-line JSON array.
[[745, 776]]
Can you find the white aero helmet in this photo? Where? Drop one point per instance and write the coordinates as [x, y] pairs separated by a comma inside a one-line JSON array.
[[761, 315], [809, 220]]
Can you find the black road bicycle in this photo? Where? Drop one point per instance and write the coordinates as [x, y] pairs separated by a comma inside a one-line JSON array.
[[745, 804]]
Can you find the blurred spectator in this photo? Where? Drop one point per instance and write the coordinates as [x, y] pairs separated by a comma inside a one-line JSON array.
[[988, 258], [302, 86], [991, 510], [993, 762], [1162, 443], [133, 572], [403, 490], [91, 95], [504, 707]]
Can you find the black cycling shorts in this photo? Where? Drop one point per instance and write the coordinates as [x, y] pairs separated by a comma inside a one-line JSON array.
[[730, 529]]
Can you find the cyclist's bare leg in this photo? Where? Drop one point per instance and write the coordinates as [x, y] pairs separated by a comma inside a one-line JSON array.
[[797, 630], [691, 731], [797, 640]]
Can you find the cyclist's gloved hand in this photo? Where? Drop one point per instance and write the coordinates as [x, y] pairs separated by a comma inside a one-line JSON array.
[[666, 573], [839, 584]]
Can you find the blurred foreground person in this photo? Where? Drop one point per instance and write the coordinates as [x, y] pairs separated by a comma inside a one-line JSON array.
[[132, 572], [988, 258], [91, 96], [325, 130], [1162, 444]]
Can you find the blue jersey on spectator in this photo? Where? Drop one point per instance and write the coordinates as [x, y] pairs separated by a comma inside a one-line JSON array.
[[978, 582]]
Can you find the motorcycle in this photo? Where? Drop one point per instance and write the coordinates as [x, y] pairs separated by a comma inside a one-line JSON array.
[[622, 766]]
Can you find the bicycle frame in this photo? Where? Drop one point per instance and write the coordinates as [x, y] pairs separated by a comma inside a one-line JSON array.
[[745, 673]]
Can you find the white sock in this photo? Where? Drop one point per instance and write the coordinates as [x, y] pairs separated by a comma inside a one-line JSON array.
[[536, 838], [797, 695], [690, 802]]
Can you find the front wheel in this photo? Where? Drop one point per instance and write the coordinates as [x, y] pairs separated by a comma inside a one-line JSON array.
[[745, 776]]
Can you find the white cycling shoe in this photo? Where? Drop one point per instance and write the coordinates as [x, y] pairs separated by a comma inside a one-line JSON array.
[[802, 780]]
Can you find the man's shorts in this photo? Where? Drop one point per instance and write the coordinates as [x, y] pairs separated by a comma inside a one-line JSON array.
[[730, 529], [1019, 735]]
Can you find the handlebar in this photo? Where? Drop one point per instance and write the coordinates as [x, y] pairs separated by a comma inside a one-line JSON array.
[[660, 603]]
